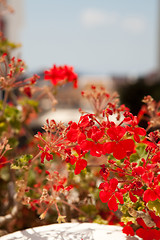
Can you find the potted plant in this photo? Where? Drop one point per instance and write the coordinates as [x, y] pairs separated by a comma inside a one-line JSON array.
[[104, 168]]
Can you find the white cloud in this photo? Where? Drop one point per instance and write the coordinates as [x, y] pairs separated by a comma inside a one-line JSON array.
[[134, 25], [94, 17], [98, 17]]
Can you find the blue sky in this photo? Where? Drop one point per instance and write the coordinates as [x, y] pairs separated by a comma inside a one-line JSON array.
[[95, 36]]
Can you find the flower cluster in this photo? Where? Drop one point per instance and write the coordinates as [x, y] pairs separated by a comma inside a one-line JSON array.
[[59, 75], [106, 158], [130, 170]]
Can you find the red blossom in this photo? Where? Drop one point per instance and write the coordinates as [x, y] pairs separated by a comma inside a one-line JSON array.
[[136, 131], [149, 195], [119, 149], [119, 196], [112, 203], [141, 113], [110, 195], [80, 165], [156, 158], [3, 161], [105, 196], [128, 230], [132, 197], [60, 75], [74, 134], [97, 133], [148, 234], [155, 218], [84, 121], [138, 170], [27, 91], [104, 173], [45, 154], [116, 132]]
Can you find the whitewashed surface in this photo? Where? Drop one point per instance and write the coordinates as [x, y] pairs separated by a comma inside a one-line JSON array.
[[71, 231]]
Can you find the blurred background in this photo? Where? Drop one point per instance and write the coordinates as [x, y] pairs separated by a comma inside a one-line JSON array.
[[110, 42], [116, 43]]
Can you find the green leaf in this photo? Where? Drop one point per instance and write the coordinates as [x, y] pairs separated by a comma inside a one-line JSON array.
[[3, 127], [100, 220], [61, 219], [12, 116], [33, 103], [154, 206], [21, 162], [11, 113], [30, 102], [13, 142], [134, 157], [89, 209], [15, 124], [141, 150]]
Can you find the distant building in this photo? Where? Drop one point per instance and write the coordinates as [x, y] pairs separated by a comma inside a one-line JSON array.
[[11, 23]]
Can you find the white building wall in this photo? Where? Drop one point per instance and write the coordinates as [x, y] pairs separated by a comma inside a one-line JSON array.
[[15, 23]]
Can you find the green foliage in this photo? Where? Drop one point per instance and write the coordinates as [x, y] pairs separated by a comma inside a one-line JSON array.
[[128, 219], [154, 206], [134, 157], [100, 220], [31, 178], [140, 149], [30, 102], [13, 142], [89, 209], [21, 162], [3, 126], [140, 153], [6, 46], [11, 118]]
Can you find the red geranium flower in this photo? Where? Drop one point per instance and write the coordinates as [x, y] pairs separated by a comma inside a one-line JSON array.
[[118, 147], [61, 74], [3, 161], [148, 234], [128, 230], [45, 154], [108, 194], [80, 165], [149, 195]]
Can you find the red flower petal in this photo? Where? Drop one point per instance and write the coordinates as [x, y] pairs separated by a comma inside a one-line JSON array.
[[3, 161], [113, 184], [48, 156], [119, 196], [128, 145], [148, 234], [42, 157], [104, 196], [140, 131], [149, 195], [80, 165], [138, 170], [96, 149], [81, 137], [108, 147], [116, 133], [112, 203], [132, 197], [128, 230], [119, 151], [136, 138], [72, 135]]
